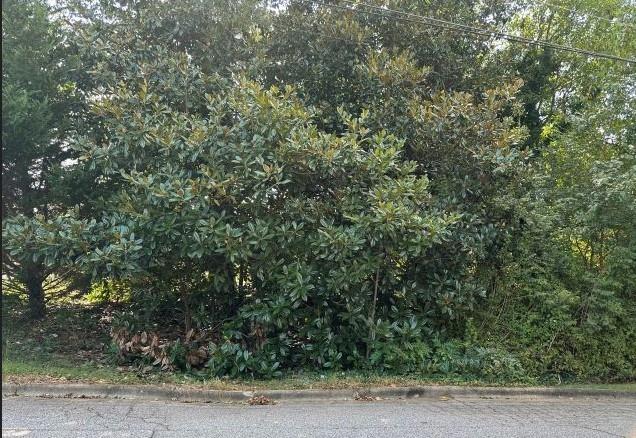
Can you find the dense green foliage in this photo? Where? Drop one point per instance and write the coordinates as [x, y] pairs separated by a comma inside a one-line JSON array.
[[298, 186], [43, 107]]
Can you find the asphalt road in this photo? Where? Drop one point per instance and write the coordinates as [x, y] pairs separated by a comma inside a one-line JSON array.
[[31, 417]]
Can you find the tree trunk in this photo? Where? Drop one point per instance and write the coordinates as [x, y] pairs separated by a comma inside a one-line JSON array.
[[33, 279], [187, 311], [233, 298], [372, 316]]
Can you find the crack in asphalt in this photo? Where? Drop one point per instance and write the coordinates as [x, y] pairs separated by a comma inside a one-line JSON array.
[[146, 420], [95, 412], [129, 411]]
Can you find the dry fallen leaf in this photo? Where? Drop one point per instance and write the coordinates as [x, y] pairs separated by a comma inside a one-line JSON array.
[[365, 397], [260, 400]]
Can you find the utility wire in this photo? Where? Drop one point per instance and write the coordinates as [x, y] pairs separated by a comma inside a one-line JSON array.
[[489, 33], [449, 25], [588, 14]]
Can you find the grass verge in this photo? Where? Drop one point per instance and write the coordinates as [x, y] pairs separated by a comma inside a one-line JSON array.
[[38, 372]]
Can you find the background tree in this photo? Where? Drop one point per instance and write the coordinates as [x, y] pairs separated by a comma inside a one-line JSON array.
[[578, 196], [41, 104]]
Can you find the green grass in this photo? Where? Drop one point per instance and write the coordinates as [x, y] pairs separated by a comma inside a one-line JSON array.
[[24, 370], [35, 372]]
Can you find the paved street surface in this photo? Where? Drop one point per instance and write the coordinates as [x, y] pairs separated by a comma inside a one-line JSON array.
[[28, 417]]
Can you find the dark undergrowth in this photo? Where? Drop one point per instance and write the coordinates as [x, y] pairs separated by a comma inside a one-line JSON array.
[[73, 344]]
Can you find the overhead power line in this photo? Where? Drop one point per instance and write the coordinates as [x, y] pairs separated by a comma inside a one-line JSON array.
[[485, 32], [589, 14], [456, 27]]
